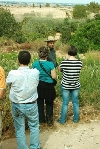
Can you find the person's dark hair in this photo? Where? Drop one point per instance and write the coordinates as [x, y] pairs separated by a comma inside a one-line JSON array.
[[43, 51], [72, 51], [24, 57]]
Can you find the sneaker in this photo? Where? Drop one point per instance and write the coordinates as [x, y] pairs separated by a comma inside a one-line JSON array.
[[49, 120], [50, 123], [42, 122], [59, 121]]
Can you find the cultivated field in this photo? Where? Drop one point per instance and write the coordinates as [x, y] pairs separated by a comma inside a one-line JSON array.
[[20, 12]]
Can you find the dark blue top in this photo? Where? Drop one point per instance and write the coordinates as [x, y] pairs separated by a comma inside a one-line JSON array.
[[52, 57]]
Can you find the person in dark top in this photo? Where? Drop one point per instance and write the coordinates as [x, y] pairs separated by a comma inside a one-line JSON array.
[[52, 54], [70, 84]]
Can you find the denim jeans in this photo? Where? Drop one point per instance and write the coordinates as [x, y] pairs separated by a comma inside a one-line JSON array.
[[65, 101], [30, 111]]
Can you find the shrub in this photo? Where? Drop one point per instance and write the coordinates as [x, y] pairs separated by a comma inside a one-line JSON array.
[[38, 27], [65, 31], [86, 37], [93, 7], [89, 78], [9, 27], [97, 17], [79, 12], [47, 5]]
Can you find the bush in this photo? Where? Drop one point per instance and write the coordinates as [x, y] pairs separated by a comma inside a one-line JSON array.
[[65, 31], [89, 78], [86, 37], [9, 27], [47, 5], [93, 7], [97, 17], [38, 27], [7, 23], [79, 12]]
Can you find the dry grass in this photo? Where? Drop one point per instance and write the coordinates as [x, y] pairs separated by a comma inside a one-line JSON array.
[[20, 12]]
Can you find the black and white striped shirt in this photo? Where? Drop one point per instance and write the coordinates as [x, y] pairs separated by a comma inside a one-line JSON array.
[[71, 71]]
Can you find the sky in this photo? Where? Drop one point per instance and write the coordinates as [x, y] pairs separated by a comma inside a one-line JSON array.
[[58, 1]]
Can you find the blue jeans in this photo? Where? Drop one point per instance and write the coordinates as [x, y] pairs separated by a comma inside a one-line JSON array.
[[64, 109], [30, 111]]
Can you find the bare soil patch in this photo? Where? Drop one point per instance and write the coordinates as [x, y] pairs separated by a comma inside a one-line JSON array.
[[20, 12]]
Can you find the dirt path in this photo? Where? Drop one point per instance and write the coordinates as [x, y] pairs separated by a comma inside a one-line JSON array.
[[82, 135], [68, 136]]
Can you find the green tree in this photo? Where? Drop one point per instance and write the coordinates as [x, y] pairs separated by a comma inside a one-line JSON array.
[[87, 37], [33, 5], [7, 23], [8, 26], [57, 5], [65, 31], [97, 17], [39, 27], [93, 7], [47, 5], [79, 12]]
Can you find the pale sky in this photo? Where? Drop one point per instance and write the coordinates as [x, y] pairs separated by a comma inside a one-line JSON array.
[[58, 1]]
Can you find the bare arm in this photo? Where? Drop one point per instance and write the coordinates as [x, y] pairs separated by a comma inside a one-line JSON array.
[[2, 82], [60, 69], [1, 93], [53, 73]]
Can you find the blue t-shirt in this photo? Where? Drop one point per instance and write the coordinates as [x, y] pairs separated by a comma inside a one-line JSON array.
[[48, 66]]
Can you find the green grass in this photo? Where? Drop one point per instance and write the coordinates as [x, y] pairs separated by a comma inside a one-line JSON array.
[[89, 78]]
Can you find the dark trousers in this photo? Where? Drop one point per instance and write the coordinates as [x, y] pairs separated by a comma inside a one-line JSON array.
[[49, 110]]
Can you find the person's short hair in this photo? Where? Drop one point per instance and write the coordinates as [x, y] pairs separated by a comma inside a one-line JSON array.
[[24, 57], [43, 51], [72, 51]]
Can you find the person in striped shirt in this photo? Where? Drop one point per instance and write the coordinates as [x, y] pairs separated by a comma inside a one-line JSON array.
[[70, 84]]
